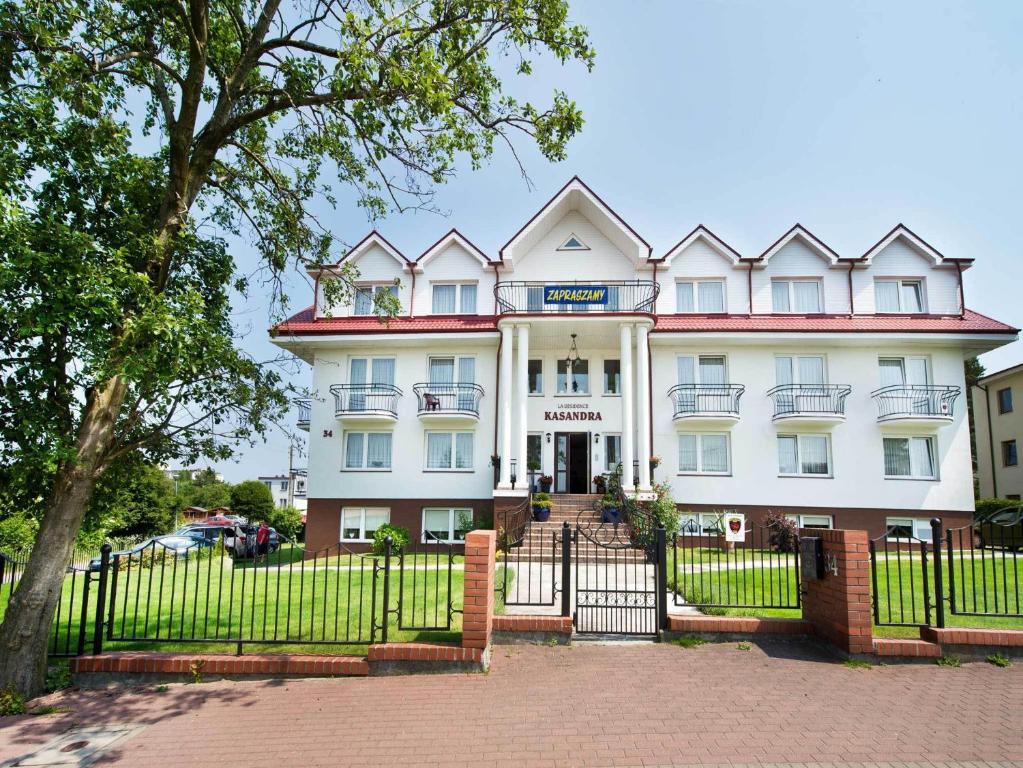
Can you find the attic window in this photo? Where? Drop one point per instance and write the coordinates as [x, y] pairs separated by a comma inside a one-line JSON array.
[[573, 244]]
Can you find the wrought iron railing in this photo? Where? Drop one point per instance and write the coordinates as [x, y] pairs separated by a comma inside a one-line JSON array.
[[304, 406], [706, 399], [448, 398], [915, 401], [366, 398], [809, 399], [524, 296]]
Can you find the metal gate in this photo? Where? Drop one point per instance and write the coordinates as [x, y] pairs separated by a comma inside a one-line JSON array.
[[620, 587]]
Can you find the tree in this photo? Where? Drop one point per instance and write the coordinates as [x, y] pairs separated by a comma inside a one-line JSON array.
[[974, 372], [287, 521], [134, 499], [135, 138], [252, 500]]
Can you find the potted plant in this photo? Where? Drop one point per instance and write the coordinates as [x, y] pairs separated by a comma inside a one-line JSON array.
[[610, 512], [495, 462], [600, 483], [533, 466], [546, 481], [541, 507], [655, 462]]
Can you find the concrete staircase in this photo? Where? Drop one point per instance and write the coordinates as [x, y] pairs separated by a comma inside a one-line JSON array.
[[542, 541]]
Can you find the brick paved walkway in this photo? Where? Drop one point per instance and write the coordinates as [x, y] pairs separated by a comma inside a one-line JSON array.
[[587, 705]]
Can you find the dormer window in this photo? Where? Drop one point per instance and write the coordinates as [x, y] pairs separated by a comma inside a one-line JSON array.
[[799, 297], [899, 296], [706, 296], [573, 244], [366, 295], [454, 299]]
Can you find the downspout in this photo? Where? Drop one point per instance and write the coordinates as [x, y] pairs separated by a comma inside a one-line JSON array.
[[749, 286], [412, 301], [852, 310], [962, 298], [316, 295], [990, 440], [500, 341]]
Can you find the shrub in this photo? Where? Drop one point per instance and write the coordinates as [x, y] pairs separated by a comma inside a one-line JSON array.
[[541, 497], [287, 521], [252, 500], [783, 532], [400, 538], [12, 703], [665, 511], [17, 533]]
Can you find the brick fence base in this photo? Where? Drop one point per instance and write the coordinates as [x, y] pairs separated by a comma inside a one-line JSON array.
[[514, 630]]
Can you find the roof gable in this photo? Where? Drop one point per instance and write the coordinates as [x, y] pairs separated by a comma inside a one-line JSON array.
[[453, 237], [576, 196], [702, 233], [374, 238], [801, 233], [915, 242]]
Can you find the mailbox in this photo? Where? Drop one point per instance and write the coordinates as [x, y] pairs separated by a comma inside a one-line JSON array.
[[811, 558]]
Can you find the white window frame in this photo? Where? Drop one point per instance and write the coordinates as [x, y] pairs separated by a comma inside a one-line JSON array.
[[697, 370], [919, 525], [373, 288], [589, 380], [901, 282], [802, 521], [365, 450], [699, 454], [790, 281], [697, 309], [457, 284], [361, 511], [795, 358], [608, 466], [454, 450], [800, 437], [369, 368], [905, 359], [912, 475], [603, 377], [453, 513], [566, 247], [543, 377]]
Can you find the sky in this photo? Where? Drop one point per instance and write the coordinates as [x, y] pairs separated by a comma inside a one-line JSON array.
[[748, 117]]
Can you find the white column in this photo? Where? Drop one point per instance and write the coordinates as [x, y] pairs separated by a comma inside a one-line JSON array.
[[643, 406], [505, 406], [521, 395], [625, 337]]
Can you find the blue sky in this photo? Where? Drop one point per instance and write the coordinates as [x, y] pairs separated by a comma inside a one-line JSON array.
[[749, 116]]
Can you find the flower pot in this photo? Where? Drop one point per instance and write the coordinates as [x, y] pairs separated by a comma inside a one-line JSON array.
[[611, 515], [541, 514], [545, 487]]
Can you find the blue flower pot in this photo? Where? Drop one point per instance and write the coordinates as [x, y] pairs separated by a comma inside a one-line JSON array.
[[611, 515], [541, 514]]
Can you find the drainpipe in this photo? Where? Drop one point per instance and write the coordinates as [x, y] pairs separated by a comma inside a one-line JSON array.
[[412, 300], [990, 439], [852, 310], [316, 295], [962, 298], [749, 286], [500, 341]]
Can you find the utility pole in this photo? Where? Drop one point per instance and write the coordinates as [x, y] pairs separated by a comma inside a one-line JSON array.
[[291, 475]]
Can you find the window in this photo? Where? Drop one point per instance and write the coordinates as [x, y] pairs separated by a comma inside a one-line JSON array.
[[812, 521], [612, 452], [1005, 400], [1009, 456], [705, 369], [578, 383], [612, 377], [799, 369], [801, 297], [359, 523], [573, 244], [368, 450], [899, 296], [284, 485], [452, 370], [804, 455], [907, 527], [911, 457], [704, 454], [707, 296], [702, 524], [282, 503], [452, 299], [449, 450], [441, 525], [366, 370], [904, 370], [535, 376], [534, 451], [367, 296]]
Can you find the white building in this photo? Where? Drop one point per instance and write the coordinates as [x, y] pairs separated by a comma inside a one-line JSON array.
[[827, 387], [288, 491]]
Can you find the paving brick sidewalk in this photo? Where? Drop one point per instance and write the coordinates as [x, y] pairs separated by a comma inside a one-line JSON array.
[[587, 705]]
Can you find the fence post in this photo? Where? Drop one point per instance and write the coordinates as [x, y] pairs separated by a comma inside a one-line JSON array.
[[566, 569], [3, 562], [101, 596], [662, 579], [939, 581], [83, 617], [113, 596], [388, 541]]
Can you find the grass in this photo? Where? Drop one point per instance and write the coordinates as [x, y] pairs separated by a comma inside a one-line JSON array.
[[998, 660], [857, 664], [688, 641], [322, 605], [949, 661]]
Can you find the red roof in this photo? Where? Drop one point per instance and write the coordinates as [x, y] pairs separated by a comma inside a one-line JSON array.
[[303, 324]]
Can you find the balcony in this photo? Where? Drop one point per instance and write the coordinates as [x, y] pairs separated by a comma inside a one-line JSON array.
[[915, 405], [366, 403], [304, 405], [810, 404], [586, 296], [448, 403], [706, 405]]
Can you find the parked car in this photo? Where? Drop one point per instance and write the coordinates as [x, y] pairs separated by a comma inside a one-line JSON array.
[[235, 537], [180, 543], [1002, 529]]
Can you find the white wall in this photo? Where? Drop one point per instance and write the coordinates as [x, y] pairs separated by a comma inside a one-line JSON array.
[[545, 262], [699, 260], [900, 260]]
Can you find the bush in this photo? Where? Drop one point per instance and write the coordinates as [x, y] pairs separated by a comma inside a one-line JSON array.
[[988, 507], [12, 703], [287, 521], [665, 511], [400, 538], [784, 533], [252, 500], [17, 533]]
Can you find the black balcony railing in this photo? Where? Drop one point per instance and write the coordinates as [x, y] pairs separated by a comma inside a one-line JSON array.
[[371, 399], [706, 399], [304, 405], [520, 296], [915, 401], [448, 398], [809, 399]]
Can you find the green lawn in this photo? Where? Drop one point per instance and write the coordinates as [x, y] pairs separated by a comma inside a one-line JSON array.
[[180, 601]]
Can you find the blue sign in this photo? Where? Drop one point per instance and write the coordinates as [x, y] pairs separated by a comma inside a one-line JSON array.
[[575, 294]]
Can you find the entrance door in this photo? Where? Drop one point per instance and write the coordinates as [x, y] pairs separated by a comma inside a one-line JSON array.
[[572, 462]]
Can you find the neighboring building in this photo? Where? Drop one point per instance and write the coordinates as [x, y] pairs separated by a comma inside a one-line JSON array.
[[796, 380], [998, 414], [194, 514], [288, 491]]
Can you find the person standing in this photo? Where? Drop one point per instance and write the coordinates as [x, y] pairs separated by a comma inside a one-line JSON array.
[[262, 541]]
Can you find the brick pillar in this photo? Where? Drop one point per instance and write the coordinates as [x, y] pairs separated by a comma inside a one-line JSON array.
[[478, 611], [838, 605]]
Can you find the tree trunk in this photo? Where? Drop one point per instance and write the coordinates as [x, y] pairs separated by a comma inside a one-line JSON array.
[[25, 632]]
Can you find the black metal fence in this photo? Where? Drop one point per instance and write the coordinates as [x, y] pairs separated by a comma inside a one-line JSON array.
[[534, 559], [901, 573], [366, 398], [809, 399], [984, 566], [521, 296], [762, 571], [915, 400], [448, 398], [698, 399]]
